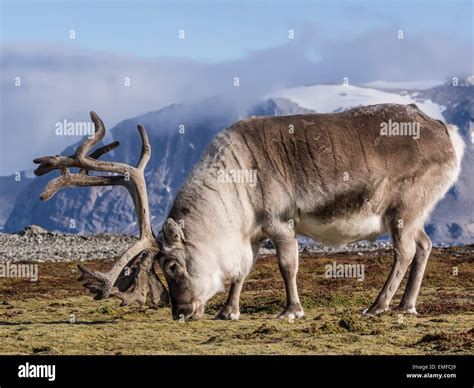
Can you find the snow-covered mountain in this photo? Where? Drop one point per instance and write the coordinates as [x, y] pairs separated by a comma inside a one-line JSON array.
[[105, 209], [337, 98]]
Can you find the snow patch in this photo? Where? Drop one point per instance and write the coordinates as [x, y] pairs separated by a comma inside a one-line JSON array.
[[407, 85], [336, 98]]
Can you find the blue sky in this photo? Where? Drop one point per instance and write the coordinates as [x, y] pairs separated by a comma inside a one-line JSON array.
[[220, 30]]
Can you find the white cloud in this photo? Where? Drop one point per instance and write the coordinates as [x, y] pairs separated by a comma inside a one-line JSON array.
[[60, 82]]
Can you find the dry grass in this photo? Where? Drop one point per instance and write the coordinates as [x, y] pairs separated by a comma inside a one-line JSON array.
[[35, 317]]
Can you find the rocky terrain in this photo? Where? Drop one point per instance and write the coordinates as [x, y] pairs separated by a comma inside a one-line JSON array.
[[38, 245]]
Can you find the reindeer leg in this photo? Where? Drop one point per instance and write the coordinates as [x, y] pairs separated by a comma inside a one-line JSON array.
[[423, 250], [287, 253], [231, 310], [404, 251]]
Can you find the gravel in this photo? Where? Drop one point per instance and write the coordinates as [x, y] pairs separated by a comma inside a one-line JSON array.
[[308, 247], [38, 245], [35, 244]]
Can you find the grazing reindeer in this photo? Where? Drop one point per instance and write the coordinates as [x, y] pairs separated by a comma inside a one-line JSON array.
[[337, 178]]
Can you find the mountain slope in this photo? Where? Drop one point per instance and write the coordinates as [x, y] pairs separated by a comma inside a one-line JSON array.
[[10, 188]]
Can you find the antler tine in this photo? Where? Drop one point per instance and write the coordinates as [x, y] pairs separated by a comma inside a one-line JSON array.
[[145, 283], [50, 163], [103, 150], [79, 180], [92, 141], [99, 152], [90, 163], [146, 149]]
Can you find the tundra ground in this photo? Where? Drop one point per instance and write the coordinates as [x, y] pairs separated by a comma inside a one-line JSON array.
[[35, 317]]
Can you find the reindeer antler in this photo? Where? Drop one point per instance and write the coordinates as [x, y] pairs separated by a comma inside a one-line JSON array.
[[133, 178]]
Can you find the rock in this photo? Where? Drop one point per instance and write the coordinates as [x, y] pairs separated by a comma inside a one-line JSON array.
[[33, 230]]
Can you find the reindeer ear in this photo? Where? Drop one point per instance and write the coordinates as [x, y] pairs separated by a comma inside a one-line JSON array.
[[173, 231]]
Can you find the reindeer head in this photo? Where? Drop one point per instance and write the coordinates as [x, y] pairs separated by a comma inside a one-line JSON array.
[[190, 284]]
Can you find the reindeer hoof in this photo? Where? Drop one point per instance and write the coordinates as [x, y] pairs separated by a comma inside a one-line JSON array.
[[292, 312], [373, 311], [228, 314], [405, 310]]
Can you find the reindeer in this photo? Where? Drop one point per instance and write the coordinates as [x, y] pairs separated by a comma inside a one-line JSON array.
[[337, 178]]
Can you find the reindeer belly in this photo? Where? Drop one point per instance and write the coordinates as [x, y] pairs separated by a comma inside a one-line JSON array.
[[342, 230]]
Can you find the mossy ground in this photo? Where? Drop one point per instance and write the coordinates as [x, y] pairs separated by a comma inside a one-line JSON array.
[[35, 317]]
